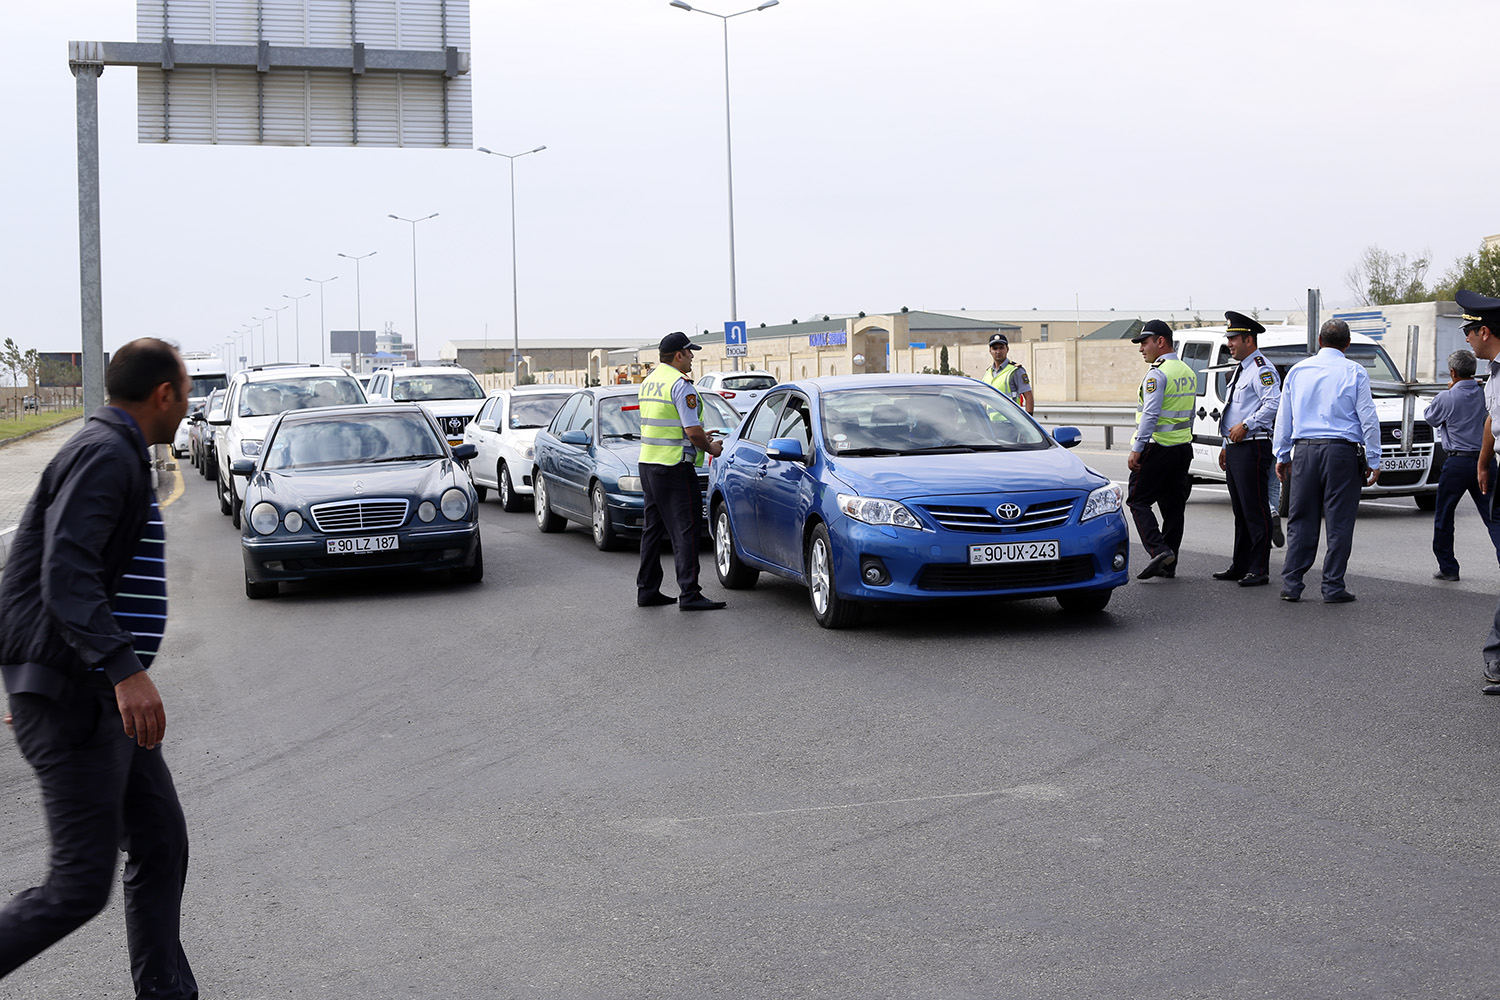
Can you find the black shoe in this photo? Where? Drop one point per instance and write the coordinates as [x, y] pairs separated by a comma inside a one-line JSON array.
[[655, 600], [1278, 539], [1255, 580], [1342, 597], [1157, 563], [1289, 597], [1492, 673], [1490, 689], [700, 603], [1229, 574], [1449, 577]]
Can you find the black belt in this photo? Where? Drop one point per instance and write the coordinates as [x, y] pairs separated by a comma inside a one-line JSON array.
[[1461, 454], [1249, 437], [1352, 444]]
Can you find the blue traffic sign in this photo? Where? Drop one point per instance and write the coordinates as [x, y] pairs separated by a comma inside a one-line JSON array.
[[734, 339]]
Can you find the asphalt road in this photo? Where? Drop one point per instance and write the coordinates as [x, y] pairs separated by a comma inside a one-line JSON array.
[[531, 788]]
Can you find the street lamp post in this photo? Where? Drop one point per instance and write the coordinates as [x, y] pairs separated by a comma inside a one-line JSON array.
[[728, 144], [416, 343], [359, 320], [515, 311], [262, 321], [297, 301], [322, 323], [276, 311]]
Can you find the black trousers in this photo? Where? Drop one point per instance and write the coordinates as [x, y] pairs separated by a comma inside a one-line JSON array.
[[1248, 470], [1162, 480], [101, 794], [1460, 475], [674, 510], [1327, 477]]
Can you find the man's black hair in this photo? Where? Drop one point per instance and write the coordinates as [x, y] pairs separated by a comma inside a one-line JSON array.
[[139, 367], [1335, 334]]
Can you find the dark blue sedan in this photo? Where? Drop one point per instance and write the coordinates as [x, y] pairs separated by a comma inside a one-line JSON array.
[[911, 488], [586, 462]]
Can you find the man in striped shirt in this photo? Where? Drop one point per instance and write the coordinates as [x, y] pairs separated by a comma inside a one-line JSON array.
[[83, 606]]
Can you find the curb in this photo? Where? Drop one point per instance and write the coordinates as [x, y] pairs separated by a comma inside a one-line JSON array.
[[39, 430]]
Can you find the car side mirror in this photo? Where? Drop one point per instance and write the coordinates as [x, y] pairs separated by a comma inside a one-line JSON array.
[[574, 437], [1068, 437], [488, 425], [242, 467], [785, 450], [222, 421], [464, 452]]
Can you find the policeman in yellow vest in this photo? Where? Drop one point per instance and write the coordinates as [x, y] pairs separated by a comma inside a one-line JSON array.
[[1162, 450], [673, 444], [1007, 376]]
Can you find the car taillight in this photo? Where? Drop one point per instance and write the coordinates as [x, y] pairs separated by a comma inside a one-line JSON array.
[[726, 394]]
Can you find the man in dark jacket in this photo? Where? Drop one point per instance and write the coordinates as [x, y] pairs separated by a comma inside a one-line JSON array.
[[82, 611]]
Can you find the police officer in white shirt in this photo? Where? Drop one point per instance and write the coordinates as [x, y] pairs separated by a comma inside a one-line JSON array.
[[1482, 331], [1252, 396]]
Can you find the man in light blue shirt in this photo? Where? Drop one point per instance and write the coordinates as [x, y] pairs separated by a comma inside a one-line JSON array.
[[1457, 414], [1251, 398], [1482, 331], [1328, 414]]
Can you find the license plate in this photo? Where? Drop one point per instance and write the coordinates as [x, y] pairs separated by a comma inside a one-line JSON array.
[[1398, 463], [363, 545], [1013, 552]]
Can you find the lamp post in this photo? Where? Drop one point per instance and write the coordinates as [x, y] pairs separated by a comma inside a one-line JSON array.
[[240, 347], [262, 321], [322, 323], [515, 313], [359, 321], [728, 145], [416, 343], [297, 301], [276, 311]]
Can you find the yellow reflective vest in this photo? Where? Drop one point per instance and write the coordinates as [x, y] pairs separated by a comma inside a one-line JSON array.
[[663, 441], [1175, 423], [1001, 380]]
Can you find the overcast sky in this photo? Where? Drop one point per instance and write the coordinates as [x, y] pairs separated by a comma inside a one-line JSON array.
[[963, 153]]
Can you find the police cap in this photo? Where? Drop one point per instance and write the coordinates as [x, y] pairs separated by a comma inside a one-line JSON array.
[[1240, 323], [678, 341], [1153, 328], [1478, 310], [999, 338]]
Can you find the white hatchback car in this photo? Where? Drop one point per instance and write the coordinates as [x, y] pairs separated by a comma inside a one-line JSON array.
[[504, 433], [741, 390]]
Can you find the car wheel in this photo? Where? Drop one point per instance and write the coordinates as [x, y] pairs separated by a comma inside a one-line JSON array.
[[235, 506], [545, 519], [211, 468], [733, 574], [1084, 602], [1426, 501], [257, 591], [480, 491], [509, 499], [605, 536], [830, 610], [474, 573], [224, 506]]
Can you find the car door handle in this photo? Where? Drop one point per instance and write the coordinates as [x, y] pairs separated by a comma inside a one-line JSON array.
[[1214, 414], [1202, 412]]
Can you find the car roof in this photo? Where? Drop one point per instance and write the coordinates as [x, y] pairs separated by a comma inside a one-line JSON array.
[[742, 371], [361, 410], [1275, 336], [543, 389], [428, 370], [268, 372]]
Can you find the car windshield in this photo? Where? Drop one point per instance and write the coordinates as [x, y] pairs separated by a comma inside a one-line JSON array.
[[1372, 356], [265, 399], [424, 388], [535, 411], [620, 416], [351, 440], [205, 384], [746, 383], [916, 419]]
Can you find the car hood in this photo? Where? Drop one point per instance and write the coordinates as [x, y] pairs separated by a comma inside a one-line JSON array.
[[627, 456], [452, 407], [898, 477], [253, 428], [398, 479]]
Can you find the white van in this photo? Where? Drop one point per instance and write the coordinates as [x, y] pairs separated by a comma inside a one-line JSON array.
[[1406, 458]]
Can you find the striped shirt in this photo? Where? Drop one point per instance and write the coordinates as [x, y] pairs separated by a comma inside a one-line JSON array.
[[140, 606]]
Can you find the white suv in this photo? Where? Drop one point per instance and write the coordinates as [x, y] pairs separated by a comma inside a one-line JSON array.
[[504, 434], [450, 393], [254, 398], [740, 390]]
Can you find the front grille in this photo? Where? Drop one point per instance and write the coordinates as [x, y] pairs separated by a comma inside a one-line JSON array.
[[1036, 517], [454, 426], [1406, 478], [371, 560], [1006, 576], [359, 515], [1390, 432]]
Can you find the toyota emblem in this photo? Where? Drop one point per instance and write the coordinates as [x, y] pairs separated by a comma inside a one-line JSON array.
[[1008, 511]]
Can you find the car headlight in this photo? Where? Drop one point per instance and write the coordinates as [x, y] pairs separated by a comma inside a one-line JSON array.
[[630, 484], [878, 511], [455, 504], [530, 453], [264, 518], [1104, 500], [426, 511], [293, 521], [249, 447]]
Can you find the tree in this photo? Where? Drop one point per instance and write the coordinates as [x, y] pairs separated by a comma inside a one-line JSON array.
[[1382, 278], [1477, 272], [10, 360]]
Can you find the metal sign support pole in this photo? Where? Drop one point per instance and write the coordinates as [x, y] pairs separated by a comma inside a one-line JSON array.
[[90, 268], [1314, 297]]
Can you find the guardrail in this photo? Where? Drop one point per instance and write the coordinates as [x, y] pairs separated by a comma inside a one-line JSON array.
[[1106, 415]]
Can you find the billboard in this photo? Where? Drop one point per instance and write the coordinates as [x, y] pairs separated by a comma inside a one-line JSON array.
[[351, 341]]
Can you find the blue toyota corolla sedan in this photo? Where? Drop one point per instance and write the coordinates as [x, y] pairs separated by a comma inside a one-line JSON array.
[[911, 488]]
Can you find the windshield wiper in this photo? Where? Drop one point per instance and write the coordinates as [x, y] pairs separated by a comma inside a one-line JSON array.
[[942, 449], [406, 458], [871, 451], [626, 436]]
